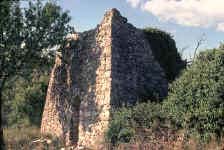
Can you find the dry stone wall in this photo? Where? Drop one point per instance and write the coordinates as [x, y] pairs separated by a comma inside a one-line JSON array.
[[103, 68], [135, 72]]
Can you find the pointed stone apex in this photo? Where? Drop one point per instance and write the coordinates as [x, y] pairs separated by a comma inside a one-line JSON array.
[[114, 11], [114, 15]]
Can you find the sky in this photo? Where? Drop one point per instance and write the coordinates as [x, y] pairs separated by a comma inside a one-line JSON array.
[[186, 20]]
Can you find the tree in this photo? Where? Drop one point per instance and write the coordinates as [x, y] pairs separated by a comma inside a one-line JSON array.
[[221, 46], [23, 99], [196, 99], [165, 52], [28, 37]]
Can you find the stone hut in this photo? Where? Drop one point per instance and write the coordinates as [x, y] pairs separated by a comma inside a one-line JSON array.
[[101, 69]]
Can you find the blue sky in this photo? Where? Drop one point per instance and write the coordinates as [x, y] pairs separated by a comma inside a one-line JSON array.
[[184, 19]]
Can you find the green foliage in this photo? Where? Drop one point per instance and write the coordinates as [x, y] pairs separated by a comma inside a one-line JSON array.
[[24, 100], [125, 121], [195, 104], [120, 121], [125, 135], [196, 99], [147, 115], [28, 37], [165, 51]]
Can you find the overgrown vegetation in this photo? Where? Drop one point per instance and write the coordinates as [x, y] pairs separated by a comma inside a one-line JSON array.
[[24, 100], [126, 121], [196, 99], [28, 38], [164, 49], [195, 106]]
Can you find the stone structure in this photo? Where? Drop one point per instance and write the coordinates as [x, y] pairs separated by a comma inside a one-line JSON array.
[[101, 69]]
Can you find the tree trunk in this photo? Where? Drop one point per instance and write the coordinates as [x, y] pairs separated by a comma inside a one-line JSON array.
[[1, 127]]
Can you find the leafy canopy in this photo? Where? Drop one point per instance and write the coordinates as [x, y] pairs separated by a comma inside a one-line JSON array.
[[27, 38], [28, 35], [165, 51], [196, 99]]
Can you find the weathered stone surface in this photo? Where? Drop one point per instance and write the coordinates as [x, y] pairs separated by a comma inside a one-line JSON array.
[[103, 68]]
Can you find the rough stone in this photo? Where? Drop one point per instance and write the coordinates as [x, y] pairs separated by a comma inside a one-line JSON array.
[[101, 69]]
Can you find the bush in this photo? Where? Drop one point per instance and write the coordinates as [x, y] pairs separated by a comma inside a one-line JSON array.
[[24, 100], [196, 99], [125, 135], [126, 121], [120, 121], [165, 51]]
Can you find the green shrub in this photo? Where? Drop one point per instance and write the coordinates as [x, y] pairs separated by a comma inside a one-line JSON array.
[[196, 99], [165, 51], [126, 121], [120, 121], [125, 135], [24, 100]]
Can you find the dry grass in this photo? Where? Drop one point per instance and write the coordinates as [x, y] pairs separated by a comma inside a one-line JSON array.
[[168, 140], [23, 139], [20, 138], [192, 145], [27, 138]]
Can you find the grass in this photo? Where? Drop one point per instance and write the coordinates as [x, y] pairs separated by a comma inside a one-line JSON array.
[[169, 141], [26, 138], [165, 139]]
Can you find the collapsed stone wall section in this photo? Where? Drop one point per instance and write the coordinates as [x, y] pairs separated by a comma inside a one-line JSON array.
[[60, 116]]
